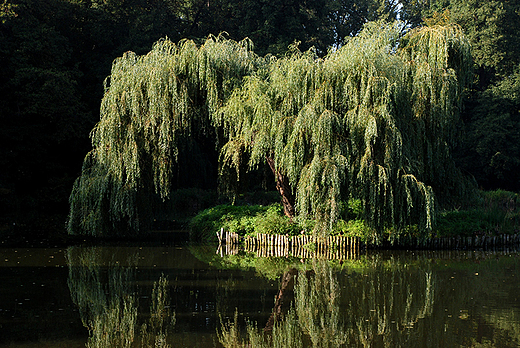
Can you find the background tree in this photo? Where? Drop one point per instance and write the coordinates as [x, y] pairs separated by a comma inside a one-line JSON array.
[[274, 25], [271, 25], [41, 111], [489, 150]]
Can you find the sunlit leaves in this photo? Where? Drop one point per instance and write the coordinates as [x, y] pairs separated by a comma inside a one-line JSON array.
[[359, 122], [373, 120], [7, 11]]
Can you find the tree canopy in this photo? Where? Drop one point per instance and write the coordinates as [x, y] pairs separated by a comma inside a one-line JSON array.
[[375, 120]]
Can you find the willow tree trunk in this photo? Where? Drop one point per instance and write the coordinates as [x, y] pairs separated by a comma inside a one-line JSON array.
[[284, 187]]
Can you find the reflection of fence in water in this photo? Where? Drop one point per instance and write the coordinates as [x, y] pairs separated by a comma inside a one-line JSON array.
[[303, 246]]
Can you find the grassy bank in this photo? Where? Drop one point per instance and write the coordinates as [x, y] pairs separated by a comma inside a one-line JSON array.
[[491, 213]]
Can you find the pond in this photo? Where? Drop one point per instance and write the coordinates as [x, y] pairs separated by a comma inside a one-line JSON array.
[[200, 296]]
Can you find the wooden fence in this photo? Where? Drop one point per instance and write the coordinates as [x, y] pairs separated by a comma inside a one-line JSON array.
[[303, 246]]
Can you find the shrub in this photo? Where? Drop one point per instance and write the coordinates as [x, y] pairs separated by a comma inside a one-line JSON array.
[[244, 219], [273, 221], [498, 212], [232, 218]]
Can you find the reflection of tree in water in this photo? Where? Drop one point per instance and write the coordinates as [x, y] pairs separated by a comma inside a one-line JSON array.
[[154, 333], [317, 306], [313, 318], [107, 302], [382, 308], [375, 310]]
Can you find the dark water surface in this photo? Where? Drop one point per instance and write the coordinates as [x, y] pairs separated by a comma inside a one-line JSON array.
[[181, 296]]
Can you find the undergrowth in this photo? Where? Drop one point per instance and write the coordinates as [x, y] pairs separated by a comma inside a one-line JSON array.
[[495, 212], [241, 219], [492, 213], [251, 219]]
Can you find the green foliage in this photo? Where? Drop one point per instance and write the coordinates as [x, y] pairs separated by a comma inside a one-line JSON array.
[[233, 218], [491, 213], [153, 99], [460, 223], [99, 199], [150, 103], [355, 228], [354, 209], [274, 25], [42, 112], [351, 222], [370, 120], [490, 150], [7, 11], [502, 210], [497, 212], [273, 221], [490, 26], [55, 55], [373, 120], [241, 219]]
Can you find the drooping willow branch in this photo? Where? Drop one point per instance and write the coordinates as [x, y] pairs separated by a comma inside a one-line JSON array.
[[150, 104], [373, 120]]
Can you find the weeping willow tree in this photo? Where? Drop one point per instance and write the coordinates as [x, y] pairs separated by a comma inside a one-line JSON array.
[[373, 120]]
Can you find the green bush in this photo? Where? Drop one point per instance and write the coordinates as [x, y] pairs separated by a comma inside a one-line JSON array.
[[232, 218], [502, 210], [460, 223], [353, 228], [273, 221], [244, 219], [251, 219], [498, 212]]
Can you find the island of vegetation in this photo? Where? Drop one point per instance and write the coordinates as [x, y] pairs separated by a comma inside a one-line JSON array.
[[358, 142]]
